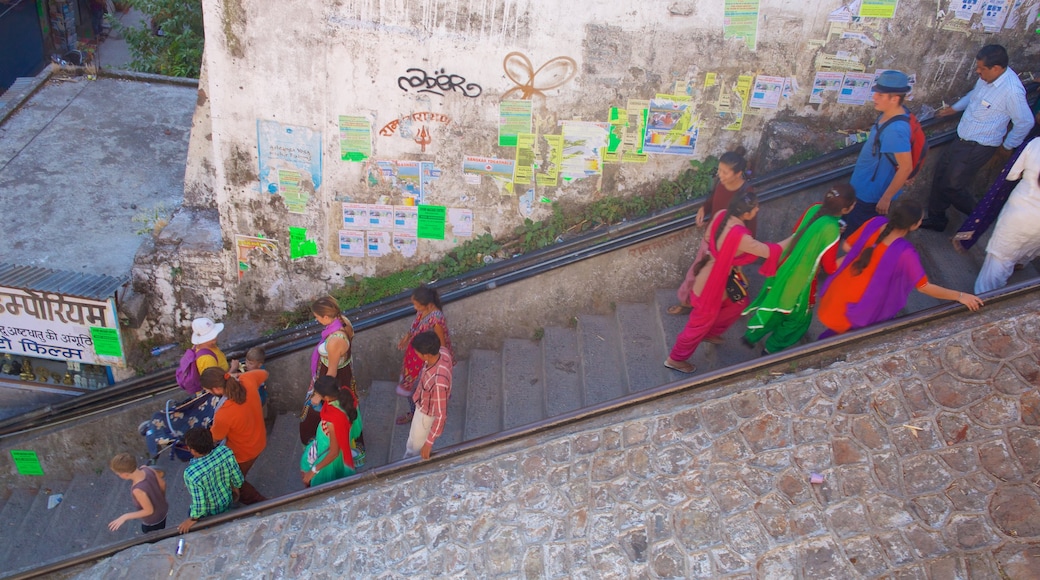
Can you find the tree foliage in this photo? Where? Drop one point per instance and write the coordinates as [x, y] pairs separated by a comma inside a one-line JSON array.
[[170, 40]]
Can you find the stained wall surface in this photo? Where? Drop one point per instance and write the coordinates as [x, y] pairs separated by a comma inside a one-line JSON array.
[[430, 81]]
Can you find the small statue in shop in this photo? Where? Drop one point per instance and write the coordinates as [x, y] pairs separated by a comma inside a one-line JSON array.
[[67, 379], [8, 366], [27, 373]]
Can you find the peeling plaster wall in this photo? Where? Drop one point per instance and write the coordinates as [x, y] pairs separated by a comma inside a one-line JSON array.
[[307, 63]]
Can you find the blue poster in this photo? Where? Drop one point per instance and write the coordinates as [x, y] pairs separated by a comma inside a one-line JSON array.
[[290, 162]]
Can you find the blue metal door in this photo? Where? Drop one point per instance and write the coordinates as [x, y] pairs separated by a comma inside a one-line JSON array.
[[21, 41]]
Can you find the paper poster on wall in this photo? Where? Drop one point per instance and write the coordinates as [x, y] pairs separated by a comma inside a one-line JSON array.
[[583, 144], [290, 162], [742, 91], [550, 159], [406, 218], [26, 462], [378, 244], [380, 217], [632, 143], [355, 215], [525, 161], [411, 178], [405, 243], [106, 342], [352, 243], [855, 88], [825, 82], [964, 9], [461, 221], [246, 245], [500, 170], [993, 14], [617, 121], [877, 8], [844, 13], [740, 21], [514, 117], [767, 92], [355, 138], [670, 128], [299, 245], [431, 222], [1013, 14]]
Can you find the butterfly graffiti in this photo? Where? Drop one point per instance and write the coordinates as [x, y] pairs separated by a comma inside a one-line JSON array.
[[529, 82]]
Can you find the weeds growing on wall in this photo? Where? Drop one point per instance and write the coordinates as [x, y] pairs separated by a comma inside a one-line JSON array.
[[693, 183], [169, 41]]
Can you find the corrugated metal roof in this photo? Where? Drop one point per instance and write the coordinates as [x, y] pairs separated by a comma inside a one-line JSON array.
[[93, 286]]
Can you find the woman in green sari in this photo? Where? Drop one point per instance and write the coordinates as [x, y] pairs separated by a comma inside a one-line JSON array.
[[783, 309], [329, 455]]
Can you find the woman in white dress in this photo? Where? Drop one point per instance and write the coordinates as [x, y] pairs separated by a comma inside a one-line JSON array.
[[1016, 237]]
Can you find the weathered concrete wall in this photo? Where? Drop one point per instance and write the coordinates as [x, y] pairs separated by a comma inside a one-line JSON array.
[[307, 63]]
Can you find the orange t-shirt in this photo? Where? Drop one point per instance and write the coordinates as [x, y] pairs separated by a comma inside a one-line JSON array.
[[243, 424]]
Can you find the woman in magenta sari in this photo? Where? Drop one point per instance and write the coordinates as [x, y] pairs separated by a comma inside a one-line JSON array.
[[730, 245], [878, 273], [428, 316]]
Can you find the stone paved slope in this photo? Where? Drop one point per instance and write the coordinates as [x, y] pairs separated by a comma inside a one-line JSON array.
[[928, 442]]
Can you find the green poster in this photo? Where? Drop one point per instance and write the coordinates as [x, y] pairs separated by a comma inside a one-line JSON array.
[[299, 245], [106, 341], [431, 222], [26, 462]]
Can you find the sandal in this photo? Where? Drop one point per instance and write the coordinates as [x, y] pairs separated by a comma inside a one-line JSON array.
[[678, 309], [404, 419], [681, 366]]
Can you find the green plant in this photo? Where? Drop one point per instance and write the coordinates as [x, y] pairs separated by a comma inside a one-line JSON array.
[[152, 221], [539, 333], [178, 51]]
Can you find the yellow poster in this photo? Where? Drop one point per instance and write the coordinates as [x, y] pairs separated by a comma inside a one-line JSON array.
[[743, 91]]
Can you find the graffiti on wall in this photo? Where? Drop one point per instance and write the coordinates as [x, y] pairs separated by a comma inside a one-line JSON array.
[[420, 136], [529, 82], [438, 83]]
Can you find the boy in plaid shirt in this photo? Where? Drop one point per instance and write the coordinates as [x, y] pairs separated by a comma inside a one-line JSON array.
[[430, 396], [212, 477]]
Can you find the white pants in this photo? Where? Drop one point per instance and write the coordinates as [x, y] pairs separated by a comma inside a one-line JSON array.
[[420, 429], [994, 274]]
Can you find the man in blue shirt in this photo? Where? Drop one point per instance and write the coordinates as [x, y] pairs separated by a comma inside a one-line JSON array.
[[885, 162], [998, 97]]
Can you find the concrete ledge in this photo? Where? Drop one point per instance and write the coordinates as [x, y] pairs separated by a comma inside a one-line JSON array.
[[129, 75], [11, 106]]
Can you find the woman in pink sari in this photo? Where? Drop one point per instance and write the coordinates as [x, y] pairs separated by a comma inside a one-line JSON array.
[[428, 316], [730, 245]]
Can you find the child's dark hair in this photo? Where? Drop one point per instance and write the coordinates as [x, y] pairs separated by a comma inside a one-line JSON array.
[[327, 386], [901, 216], [735, 160], [836, 200], [425, 295], [218, 377], [200, 440], [427, 343], [256, 354]]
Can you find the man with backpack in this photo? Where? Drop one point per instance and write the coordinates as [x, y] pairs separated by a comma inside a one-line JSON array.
[[998, 97], [886, 160]]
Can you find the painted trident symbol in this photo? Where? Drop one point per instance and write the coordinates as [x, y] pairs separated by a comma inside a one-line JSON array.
[[555, 73], [423, 138]]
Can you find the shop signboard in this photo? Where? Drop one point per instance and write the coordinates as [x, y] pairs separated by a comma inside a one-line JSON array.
[[54, 326]]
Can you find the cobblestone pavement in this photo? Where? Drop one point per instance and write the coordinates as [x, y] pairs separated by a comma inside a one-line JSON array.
[[927, 445]]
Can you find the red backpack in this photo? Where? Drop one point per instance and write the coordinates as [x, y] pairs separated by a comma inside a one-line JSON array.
[[188, 372], [918, 142]]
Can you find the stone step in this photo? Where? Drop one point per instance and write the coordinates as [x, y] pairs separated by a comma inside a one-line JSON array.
[[379, 410], [17, 504], [642, 342], [483, 395], [90, 501], [563, 371], [600, 347], [523, 384], [454, 429], [26, 528], [277, 470], [399, 433], [671, 324]]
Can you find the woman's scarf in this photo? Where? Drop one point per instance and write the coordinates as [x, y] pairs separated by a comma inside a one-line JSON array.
[[335, 325], [332, 413]]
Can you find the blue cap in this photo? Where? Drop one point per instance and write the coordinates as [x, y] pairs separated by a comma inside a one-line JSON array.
[[892, 81]]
